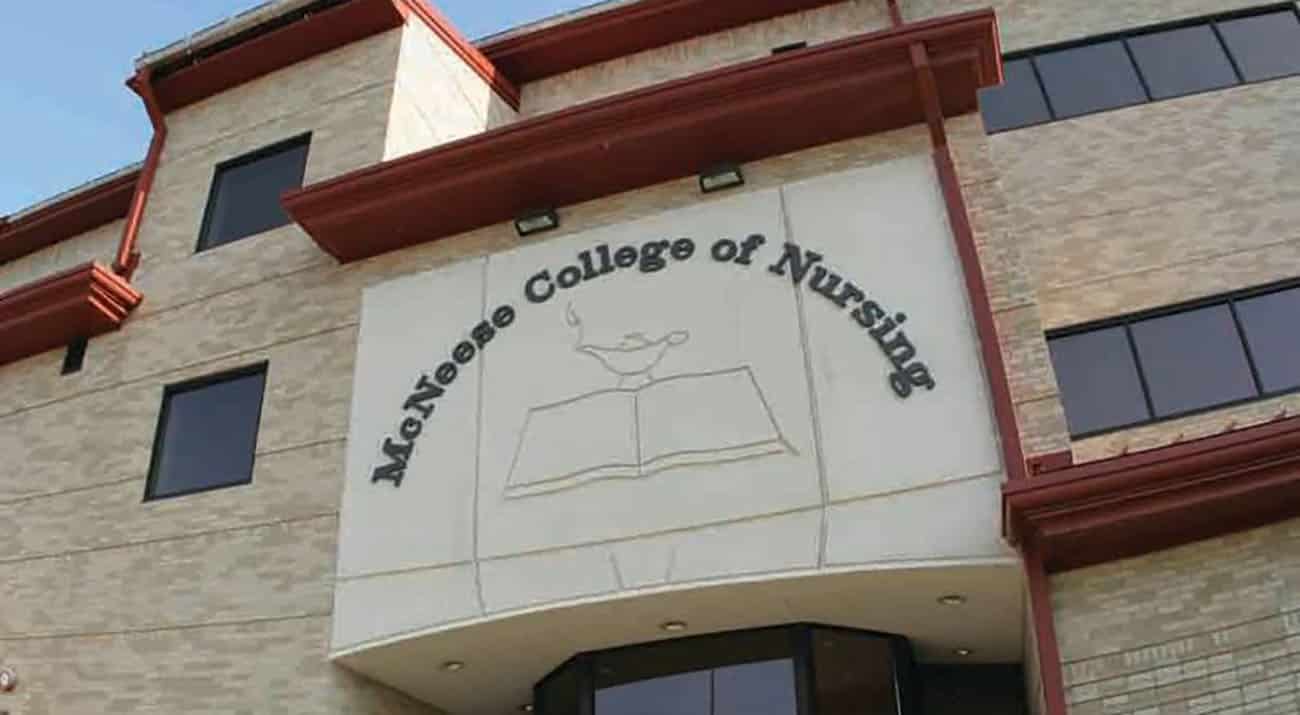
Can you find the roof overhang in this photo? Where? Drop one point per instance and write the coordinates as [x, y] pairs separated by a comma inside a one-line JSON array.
[[84, 301], [505, 655], [532, 54], [68, 216], [288, 33], [1143, 502], [775, 105]]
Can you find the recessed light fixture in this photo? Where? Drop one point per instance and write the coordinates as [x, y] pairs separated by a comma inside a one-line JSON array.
[[962, 652], [721, 176], [952, 599], [526, 707], [452, 666], [537, 222], [673, 626]]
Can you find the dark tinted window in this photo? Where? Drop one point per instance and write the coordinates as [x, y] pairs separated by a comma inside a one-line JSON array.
[[207, 433], [1265, 46], [769, 671], [1272, 327], [1182, 61], [75, 357], [1098, 379], [1193, 360], [1018, 101], [747, 673], [681, 694], [992, 689], [245, 197], [763, 688], [559, 692], [1089, 79], [854, 673]]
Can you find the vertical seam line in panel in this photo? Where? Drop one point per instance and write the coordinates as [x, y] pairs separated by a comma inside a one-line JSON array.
[[478, 447], [814, 408]]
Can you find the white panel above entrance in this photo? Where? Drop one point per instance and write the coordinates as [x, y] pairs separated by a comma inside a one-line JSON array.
[[782, 383]]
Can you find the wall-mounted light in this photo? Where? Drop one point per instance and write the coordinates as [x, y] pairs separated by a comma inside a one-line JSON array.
[[721, 176], [789, 48], [536, 222]]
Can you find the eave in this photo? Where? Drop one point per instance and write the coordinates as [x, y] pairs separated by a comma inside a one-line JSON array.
[[1139, 503], [84, 301], [620, 31], [66, 218], [206, 71], [775, 105]]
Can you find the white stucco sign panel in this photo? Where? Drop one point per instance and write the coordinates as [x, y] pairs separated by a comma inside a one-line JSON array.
[[779, 381]]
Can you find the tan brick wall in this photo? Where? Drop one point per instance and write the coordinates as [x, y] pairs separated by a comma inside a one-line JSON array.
[[98, 244], [220, 601], [1031, 23], [437, 98], [1211, 627], [217, 602], [701, 54], [1140, 207], [1011, 281]]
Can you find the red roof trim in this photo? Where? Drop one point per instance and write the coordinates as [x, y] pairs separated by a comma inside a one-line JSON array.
[[1139, 503], [282, 47], [745, 112], [84, 301], [66, 218], [624, 30], [308, 37]]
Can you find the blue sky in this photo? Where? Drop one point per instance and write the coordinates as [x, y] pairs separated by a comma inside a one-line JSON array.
[[66, 117]]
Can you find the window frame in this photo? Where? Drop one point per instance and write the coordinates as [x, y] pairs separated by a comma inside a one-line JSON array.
[[1125, 50], [1123, 36], [205, 226], [1126, 321], [1217, 38], [262, 367], [1042, 93], [1292, 8], [906, 688], [1143, 387]]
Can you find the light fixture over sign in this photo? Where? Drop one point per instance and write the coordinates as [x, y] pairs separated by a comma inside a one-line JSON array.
[[721, 176], [537, 222]]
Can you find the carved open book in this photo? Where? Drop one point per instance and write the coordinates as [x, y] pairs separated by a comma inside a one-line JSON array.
[[627, 433]]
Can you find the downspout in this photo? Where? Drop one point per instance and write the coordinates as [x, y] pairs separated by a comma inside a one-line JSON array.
[[1050, 672], [128, 255]]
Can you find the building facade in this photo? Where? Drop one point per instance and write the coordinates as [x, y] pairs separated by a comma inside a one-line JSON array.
[[670, 356]]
